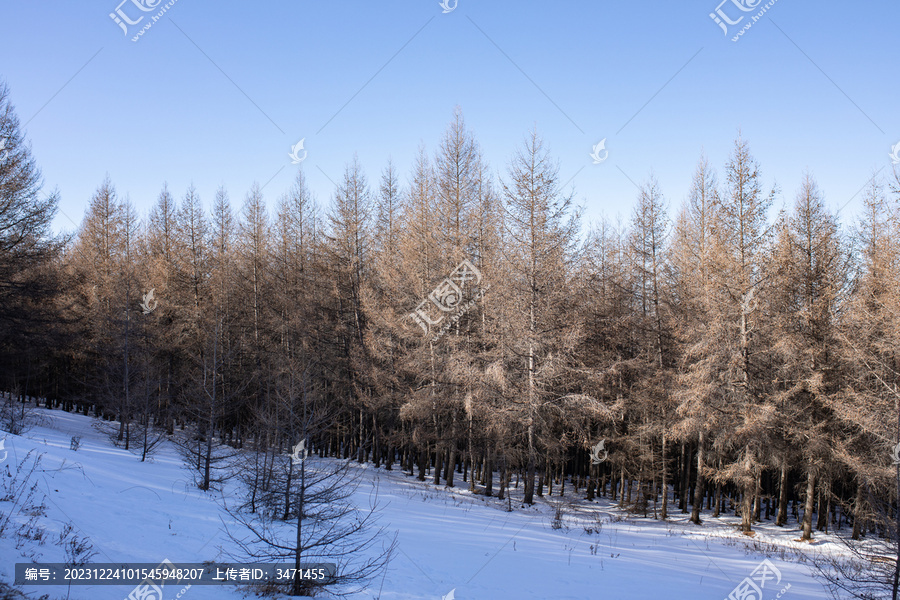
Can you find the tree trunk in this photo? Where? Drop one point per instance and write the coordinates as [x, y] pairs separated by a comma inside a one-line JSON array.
[[451, 465], [288, 490], [700, 488], [423, 457], [665, 482], [747, 511], [438, 463], [757, 498], [808, 508], [717, 509], [298, 559], [685, 481], [376, 447], [781, 519], [471, 455], [488, 474], [822, 510]]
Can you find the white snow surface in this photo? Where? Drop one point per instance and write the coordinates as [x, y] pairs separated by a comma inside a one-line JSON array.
[[448, 540]]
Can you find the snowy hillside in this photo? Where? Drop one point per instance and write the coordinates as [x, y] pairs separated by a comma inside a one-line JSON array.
[[147, 512]]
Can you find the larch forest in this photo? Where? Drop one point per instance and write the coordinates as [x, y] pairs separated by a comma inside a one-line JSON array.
[[463, 324]]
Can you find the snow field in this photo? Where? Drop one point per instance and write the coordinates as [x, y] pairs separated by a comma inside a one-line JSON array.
[[448, 540]]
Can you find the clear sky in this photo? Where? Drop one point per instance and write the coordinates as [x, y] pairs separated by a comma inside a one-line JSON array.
[[217, 93]]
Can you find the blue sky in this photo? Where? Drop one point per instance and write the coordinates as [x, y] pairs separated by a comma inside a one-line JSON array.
[[217, 93]]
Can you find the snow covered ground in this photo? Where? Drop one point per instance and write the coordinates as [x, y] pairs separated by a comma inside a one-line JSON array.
[[448, 540]]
